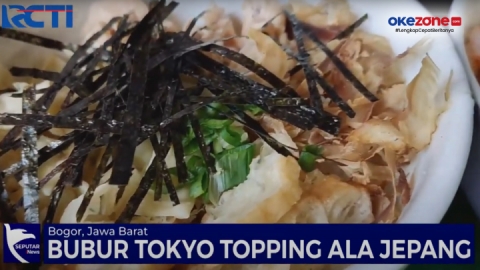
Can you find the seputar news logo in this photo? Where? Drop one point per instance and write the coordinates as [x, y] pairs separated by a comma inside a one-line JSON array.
[[425, 21], [21, 243]]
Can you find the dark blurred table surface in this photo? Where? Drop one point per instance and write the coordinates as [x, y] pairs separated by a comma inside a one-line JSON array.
[[460, 211]]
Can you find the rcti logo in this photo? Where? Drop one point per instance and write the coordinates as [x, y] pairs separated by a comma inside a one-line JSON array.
[[425, 21], [26, 16]]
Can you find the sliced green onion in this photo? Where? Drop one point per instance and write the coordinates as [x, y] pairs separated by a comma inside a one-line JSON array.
[[307, 161], [217, 146], [198, 188], [195, 162], [192, 147], [314, 149], [209, 137], [308, 157], [233, 168], [233, 156], [206, 197], [232, 136], [253, 109], [213, 110], [189, 136], [216, 123]]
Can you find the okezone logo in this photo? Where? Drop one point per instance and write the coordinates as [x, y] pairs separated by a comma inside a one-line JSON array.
[[21, 243], [425, 21]]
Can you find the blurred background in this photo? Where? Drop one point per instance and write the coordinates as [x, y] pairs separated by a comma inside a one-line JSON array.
[[460, 211]]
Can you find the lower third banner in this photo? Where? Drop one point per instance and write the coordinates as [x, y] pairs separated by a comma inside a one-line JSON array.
[[249, 244]]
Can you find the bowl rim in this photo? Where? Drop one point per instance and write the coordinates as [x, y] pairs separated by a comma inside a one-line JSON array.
[[459, 7]]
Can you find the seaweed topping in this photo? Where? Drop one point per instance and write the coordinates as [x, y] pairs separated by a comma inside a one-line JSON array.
[[151, 88], [32, 39], [349, 30], [340, 65], [133, 112], [30, 159]]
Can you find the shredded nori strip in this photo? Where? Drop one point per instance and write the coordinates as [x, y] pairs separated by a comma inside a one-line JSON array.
[[95, 182], [132, 116], [343, 34], [30, 159], [349, 30], [253, 67], [138, 94], [32, 39], [341, 66], [303, 57], [34, 73], [161, 170]]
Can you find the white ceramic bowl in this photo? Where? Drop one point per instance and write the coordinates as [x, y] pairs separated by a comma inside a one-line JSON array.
[[468, 10], [438, 169]]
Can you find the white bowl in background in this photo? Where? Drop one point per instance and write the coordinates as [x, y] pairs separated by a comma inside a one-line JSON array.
[[439, 169], [469, 11]]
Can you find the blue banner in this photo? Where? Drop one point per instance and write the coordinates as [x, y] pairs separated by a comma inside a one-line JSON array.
[[257, 244]]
